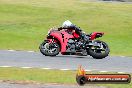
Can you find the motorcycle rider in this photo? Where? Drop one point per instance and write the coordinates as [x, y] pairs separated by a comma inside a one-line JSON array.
[[67, 25]]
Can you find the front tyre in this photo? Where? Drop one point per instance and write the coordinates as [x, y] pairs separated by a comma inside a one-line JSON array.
[[49, 49], [99, 50]]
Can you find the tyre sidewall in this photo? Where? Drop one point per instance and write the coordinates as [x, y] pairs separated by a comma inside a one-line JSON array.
[[49, 54], [99, 55]]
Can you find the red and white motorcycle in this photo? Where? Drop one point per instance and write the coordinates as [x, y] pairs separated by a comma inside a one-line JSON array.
[[68, 43]]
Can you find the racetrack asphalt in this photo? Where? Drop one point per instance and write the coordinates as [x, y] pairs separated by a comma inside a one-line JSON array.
[[37, 60], [14, 85]]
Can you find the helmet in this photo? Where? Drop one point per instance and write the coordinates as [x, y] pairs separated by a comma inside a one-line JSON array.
[[67, 24]]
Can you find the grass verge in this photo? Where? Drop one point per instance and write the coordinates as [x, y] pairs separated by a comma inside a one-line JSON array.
[[38, 75], [47, 76]]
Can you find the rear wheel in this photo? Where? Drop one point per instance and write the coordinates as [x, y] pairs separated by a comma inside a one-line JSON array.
[[49, 49], [99, 50]]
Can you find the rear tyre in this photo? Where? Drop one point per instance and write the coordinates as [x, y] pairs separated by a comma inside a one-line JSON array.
[[100, 52], [49, 49]]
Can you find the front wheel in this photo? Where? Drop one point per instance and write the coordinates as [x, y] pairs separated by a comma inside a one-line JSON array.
[[99, 50], [49, 49]]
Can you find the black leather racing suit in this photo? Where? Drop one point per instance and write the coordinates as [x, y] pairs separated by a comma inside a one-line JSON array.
[[78, 31]]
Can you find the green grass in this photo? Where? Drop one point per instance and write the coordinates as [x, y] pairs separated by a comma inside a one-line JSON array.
[[38, 75], [48, 76], [24, 23]]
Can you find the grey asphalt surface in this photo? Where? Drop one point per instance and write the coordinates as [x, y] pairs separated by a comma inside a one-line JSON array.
[[12, 85], [37, 60]]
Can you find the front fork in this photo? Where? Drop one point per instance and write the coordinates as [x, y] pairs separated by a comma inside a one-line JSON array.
[[51, 43]]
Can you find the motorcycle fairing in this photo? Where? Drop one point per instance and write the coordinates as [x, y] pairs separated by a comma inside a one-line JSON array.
[[63, 38]]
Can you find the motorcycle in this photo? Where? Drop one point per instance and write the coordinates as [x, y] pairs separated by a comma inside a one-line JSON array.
[[70, 43]]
